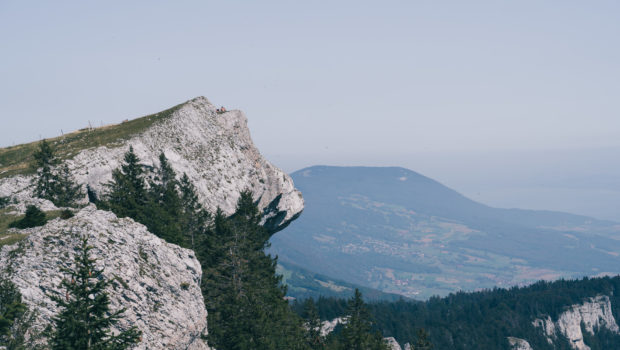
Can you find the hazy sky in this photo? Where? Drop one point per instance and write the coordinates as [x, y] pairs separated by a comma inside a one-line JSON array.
[[503, 101]]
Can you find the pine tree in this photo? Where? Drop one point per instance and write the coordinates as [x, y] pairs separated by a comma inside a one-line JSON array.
[[54, 183], [195, 220], [243, 294], [422, 342], [357, 332], [44, 163], [11, 309], [163, 210], [85, 318], [67, 192], [4, 201], [313, 326], [15, 319], [34, 217], [128, 195]]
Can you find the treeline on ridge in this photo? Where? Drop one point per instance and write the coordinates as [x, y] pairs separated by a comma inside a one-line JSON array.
[[484, 320]]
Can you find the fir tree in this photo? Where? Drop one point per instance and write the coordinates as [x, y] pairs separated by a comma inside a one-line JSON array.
[[244, 295], [11, 309], [85, 318], [195, 220], [53, 182], [67, 192], [4, 201], [313, 326], [357, 332], [128, 195], [422, 342], [44, 163], [34, 217], [163, 209]]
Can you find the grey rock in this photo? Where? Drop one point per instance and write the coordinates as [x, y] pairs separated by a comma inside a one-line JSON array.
[[157, 282], [594, 313], [214, 149]]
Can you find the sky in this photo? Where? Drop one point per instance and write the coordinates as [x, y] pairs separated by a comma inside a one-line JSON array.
[[514, 104]]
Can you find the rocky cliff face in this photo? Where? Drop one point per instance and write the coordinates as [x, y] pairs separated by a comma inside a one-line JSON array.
[[157, 282], [594, 313], [214, 149]]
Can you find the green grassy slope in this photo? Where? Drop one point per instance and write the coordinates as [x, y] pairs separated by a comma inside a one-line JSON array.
[[17, 159]]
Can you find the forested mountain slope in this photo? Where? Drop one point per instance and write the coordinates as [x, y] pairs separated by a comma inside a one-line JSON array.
[[395, 230], [577, 314]]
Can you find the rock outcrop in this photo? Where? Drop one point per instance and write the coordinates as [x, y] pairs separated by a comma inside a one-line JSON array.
[[157, 282], [214, 149], [329, 326], [519, 344], [392, 343], [594, 313]]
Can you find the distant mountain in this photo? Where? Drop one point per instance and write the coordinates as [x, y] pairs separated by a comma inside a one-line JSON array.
[[400, 232]]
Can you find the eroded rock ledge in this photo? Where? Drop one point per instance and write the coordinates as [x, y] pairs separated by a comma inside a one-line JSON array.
[[157, 282]]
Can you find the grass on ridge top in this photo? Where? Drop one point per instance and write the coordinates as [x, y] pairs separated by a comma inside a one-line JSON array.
[[8, 238], [16, 160]]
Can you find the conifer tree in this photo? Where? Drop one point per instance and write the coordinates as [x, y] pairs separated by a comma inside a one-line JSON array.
[[422, 342], [34, 217], [128, 195], [357, 332], [163, 209], [85, 318], [11, 309], [54, 183], [67, 192], [313, 326], [244, 297], [195, 220], [44, 163]]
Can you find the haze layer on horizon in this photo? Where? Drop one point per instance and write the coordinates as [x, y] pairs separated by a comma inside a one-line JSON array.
[[497, 100]]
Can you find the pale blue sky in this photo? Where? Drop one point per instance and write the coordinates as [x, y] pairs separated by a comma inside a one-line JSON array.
[[423, 84]]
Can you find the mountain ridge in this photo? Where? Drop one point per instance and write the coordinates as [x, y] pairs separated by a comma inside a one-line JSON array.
[[410, 234], [214, 149]]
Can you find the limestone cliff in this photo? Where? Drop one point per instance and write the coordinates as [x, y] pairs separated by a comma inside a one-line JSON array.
[[214, 149], [594, 313], [157, 282]]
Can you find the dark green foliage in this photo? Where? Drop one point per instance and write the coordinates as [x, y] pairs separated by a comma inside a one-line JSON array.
[[313, 326], [357, 332], [195, 220], [422, 342], [484, 320], [54, 182], [4, 201], [34, 217], [66, 214], [243, 294], [168, 208], [44, 162], [163, 207], [11, 310], [127, 191], [244, 298], [67, 192], [92, 195], [85, 318]]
